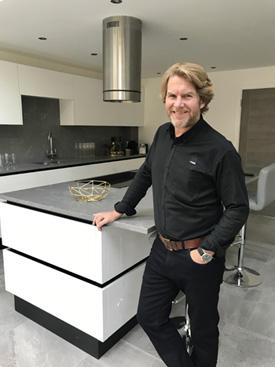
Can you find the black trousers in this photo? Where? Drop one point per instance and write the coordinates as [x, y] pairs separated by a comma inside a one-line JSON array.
[[165, 274]]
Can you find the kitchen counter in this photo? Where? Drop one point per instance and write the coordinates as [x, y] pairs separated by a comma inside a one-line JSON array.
[[62, 163], [56, 199]]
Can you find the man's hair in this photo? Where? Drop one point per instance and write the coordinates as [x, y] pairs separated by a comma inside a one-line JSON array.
[[196, 75]]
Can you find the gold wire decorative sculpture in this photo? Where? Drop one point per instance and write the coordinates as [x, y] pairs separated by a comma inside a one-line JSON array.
[[90, 190]]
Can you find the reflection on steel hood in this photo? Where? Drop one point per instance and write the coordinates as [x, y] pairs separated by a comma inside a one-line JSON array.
[[121, 59]]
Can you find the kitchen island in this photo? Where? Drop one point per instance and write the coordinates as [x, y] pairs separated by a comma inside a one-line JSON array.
[[67, 276]]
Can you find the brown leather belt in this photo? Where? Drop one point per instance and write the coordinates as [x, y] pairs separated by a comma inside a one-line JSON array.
[[180, 245]]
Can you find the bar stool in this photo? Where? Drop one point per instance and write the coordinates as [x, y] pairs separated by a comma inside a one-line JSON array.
[[265, 194], [182, 323]]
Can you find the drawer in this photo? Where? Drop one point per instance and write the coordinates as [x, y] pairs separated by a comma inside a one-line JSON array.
[[71, 245], [97, 311]]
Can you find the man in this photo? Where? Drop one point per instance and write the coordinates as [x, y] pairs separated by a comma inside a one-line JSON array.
[[200, 204]]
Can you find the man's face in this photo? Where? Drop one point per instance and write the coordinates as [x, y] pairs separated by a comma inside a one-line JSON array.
[[183, 104]]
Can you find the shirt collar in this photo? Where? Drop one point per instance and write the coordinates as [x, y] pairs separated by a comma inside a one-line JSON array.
[[188, 134]]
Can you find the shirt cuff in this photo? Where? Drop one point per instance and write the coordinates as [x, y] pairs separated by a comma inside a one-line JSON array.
[[123, 208]]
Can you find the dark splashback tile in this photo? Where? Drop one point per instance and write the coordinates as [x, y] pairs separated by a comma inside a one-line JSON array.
[[40, 115]]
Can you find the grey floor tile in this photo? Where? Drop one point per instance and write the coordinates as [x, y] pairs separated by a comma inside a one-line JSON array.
[[140, 340], [34, 346], [242, 348], [125, 355]]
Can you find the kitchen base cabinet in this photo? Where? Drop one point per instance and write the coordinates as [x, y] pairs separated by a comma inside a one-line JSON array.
[[67, 276], [97, 311], [72, 245]]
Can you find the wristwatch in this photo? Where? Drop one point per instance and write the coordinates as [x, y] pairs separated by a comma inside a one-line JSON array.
[[205, 256]]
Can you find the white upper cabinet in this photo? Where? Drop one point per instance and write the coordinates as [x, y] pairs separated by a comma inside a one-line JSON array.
[[10, 99], [87, 100], [81, 98], [90, 109], [45, 83], [123, 114]]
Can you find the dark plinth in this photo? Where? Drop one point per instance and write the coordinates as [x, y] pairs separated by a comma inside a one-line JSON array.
[[69, 333]]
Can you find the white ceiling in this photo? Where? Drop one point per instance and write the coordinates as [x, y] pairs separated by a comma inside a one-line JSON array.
[[227, 34]]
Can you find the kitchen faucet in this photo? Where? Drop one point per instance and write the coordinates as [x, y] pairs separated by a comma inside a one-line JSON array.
[[52, 152]]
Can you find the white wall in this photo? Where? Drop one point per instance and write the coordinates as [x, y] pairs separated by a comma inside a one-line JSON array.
[[224, 111], [154, 110]]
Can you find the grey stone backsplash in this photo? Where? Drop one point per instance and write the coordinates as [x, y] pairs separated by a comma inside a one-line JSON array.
[[30, 143]]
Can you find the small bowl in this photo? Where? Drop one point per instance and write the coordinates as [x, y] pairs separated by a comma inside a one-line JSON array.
[[90, 190]]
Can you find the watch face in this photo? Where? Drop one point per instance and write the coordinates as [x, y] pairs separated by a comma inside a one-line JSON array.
[[206, 257]]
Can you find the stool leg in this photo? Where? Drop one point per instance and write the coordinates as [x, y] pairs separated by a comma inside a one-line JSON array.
[[187, 331], [183, 323], [242, 276]]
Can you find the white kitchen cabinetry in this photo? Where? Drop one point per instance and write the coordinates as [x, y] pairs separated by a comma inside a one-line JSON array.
[[81, 98], [81, 277], [89, 108], [87, 101], [98, 312], [123, 114], [45, 83], [10, 98], [100, 256]]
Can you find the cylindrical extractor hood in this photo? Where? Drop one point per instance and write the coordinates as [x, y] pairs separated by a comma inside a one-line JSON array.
[[121, 59]]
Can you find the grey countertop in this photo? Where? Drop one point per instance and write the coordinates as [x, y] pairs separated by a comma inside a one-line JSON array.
[[56, 199], [63, 163]]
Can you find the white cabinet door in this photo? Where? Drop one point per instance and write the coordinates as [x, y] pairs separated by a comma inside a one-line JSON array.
[[139, 110], [132, 114], [90, 109], [110, 114], [10, 99], [45, 83], [88, 94], [123, 114]]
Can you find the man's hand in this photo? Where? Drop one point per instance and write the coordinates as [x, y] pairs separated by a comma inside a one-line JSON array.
[[105, 217], [196, 257]]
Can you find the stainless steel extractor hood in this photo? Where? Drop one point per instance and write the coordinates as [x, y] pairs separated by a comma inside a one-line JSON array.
[[121, 59]]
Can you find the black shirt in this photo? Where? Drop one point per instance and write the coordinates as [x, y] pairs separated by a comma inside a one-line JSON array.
[[198, 186]]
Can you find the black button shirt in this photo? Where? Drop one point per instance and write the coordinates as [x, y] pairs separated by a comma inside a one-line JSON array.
[[198, 186]]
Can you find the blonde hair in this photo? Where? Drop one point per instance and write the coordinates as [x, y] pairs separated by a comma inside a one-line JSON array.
[[196, 75]]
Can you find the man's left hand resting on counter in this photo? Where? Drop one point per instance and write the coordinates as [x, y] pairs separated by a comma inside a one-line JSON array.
[[100, 219]]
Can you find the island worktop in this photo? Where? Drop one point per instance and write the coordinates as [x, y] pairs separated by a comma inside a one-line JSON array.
[[56, 199]]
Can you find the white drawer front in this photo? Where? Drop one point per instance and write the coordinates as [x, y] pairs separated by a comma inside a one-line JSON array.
[[66, 243], [96, 311], [74, 246]]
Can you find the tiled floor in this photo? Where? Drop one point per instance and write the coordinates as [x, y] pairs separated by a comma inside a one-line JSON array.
[[247, 324]]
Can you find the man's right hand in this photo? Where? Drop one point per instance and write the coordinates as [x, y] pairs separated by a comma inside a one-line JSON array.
[[105, 217]]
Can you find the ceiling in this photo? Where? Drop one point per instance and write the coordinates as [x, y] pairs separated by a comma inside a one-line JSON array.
[[226, 34]]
